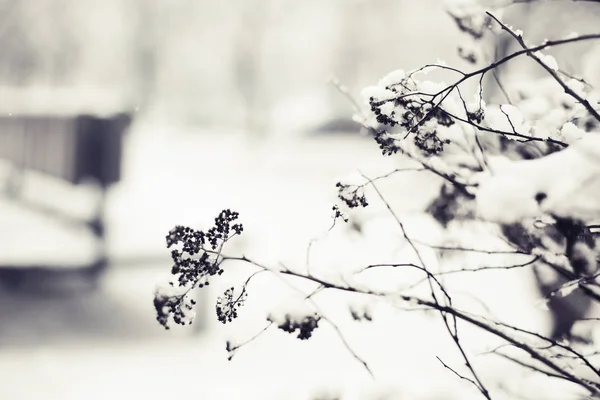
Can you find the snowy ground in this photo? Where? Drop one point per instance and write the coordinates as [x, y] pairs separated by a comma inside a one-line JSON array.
[[107, 345]]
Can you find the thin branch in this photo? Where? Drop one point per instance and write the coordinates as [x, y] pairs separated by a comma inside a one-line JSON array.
[[310, 298], [501, 87], [459, 375], [478, 269], [347, 345], [472, 250], [531, 53], [592, 387], [516, 134], [532, 367], [231, 349], [554, 343]]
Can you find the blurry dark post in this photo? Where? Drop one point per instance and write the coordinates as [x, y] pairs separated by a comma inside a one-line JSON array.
[[83, 148], [350, 52], [146, 38], [99, 153], [247, 69]]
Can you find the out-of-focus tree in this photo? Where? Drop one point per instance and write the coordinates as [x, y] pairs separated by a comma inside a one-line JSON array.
[[36, 42], [248, 58]]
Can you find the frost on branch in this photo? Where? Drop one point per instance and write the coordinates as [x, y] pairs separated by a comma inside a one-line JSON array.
[[196, 259]]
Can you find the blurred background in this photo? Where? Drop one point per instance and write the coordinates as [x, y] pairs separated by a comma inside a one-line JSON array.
[[203, 105]]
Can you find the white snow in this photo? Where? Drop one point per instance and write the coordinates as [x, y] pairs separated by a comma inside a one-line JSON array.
[[569, 180], [570, 132], [295, 309], [392, 78], [82, 99], [548, 60]]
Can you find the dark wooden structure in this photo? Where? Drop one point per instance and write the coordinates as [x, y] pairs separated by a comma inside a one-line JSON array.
[[72, 148]]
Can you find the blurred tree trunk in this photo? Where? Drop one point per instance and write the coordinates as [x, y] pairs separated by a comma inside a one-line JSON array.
[[247, 64], [350, 54], [146, 46]]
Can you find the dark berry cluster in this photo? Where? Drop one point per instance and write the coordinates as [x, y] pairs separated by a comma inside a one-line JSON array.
[[194, 270], [305, 327], [430, 143], [192, 239], [194, 263], [415, 113], [386, 143], [442, 117], [172, 306], [428, 140], [476, 116], [381, 117], [337, 213], [228, 305], [352, 195], [223, 228], [187, 265]]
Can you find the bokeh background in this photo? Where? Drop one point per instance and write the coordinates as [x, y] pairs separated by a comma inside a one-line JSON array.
[[231, 106]]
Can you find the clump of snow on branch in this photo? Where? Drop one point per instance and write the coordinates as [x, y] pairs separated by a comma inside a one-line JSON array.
[[293, 315], [174, 303], [547, 59], [565, 184], [542, 108], [295, 308], [570, 132]]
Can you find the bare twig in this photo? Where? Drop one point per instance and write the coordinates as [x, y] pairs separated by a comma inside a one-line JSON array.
[[457, 374], [347, 345], [531, 53], [232, 348], [471, 250]]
